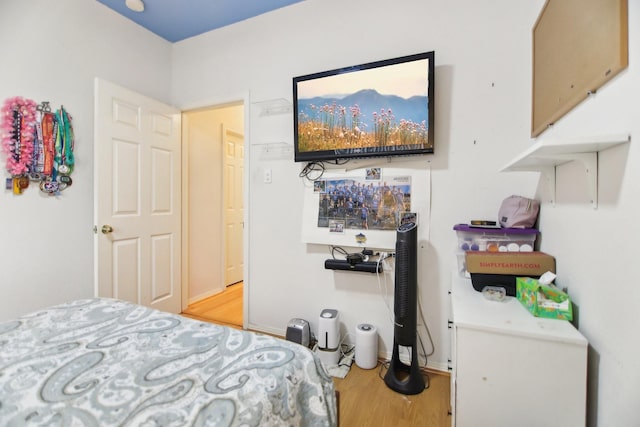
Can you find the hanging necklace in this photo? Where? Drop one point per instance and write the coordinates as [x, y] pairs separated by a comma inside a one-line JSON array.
[[18, 121]]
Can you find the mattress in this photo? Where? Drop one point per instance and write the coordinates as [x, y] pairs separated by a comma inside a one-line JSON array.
[[104, 362]]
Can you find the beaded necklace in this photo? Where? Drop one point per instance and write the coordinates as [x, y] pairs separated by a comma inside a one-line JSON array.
[[18, 121]]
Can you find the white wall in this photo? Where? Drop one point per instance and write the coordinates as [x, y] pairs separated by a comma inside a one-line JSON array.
[[482, 108], [596, 250], [52, 51]]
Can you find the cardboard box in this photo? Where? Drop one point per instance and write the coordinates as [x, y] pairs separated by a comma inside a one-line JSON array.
[[502, 268], [543, 300], [524, 264]]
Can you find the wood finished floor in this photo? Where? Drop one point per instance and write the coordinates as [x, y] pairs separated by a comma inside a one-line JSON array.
[[365, 400], [224, 308]]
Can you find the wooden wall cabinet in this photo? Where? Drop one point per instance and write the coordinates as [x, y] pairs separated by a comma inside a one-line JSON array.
[[510, 368]]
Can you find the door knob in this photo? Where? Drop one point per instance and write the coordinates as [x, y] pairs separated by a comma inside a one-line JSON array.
[[106, 229]]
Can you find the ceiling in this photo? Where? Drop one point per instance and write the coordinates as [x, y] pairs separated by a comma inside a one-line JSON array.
[[176, 20]]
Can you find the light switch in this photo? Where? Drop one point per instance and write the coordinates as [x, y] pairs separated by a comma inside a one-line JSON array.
[[267, 176]]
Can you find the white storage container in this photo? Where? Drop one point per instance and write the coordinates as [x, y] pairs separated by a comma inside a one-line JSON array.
[[492, 240]]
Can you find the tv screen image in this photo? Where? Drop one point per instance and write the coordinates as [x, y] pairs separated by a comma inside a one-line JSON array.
[[379, 109]]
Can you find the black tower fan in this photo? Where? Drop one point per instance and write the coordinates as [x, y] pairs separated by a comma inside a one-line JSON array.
[[403, 378]]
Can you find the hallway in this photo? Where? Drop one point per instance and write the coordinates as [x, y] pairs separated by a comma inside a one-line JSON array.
[[224, 308]]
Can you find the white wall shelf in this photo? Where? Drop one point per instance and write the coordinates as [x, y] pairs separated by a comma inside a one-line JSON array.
[[273, 107], [545, 156], [275, 150]]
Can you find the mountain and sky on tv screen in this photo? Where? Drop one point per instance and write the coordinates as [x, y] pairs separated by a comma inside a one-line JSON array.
[[379, 106], [369, 101], [364, 119]]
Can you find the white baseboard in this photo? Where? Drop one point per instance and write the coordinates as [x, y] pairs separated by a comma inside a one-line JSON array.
[[269, 331], [436, 366], [204, 295]]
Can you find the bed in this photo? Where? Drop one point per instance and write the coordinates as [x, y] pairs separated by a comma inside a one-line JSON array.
[[103, 362]]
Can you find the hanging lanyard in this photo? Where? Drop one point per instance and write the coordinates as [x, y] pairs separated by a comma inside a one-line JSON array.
[[48, 128], [64, 147], [37, 162], [69, 141]]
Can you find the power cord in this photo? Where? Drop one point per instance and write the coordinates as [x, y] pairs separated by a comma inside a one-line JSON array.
[[338, 249], [319, 168], [426, 327], [352, 257], [311, 168], [383, 256], [345, 349]]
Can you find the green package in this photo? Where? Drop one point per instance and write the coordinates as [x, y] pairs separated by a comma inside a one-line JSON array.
[[543, 300]]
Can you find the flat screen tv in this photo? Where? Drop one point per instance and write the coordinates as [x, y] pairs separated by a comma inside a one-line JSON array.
[[378, 109]]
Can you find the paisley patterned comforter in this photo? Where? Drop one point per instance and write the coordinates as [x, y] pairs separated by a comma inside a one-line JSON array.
[[104, 362]]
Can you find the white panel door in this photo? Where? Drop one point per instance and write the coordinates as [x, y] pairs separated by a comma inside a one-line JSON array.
[[233, 159], [137, 198]]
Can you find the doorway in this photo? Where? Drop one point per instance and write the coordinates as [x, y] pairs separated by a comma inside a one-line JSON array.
[[213, 147]]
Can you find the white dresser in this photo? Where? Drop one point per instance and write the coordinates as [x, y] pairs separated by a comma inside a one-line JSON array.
[[510, 368]]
